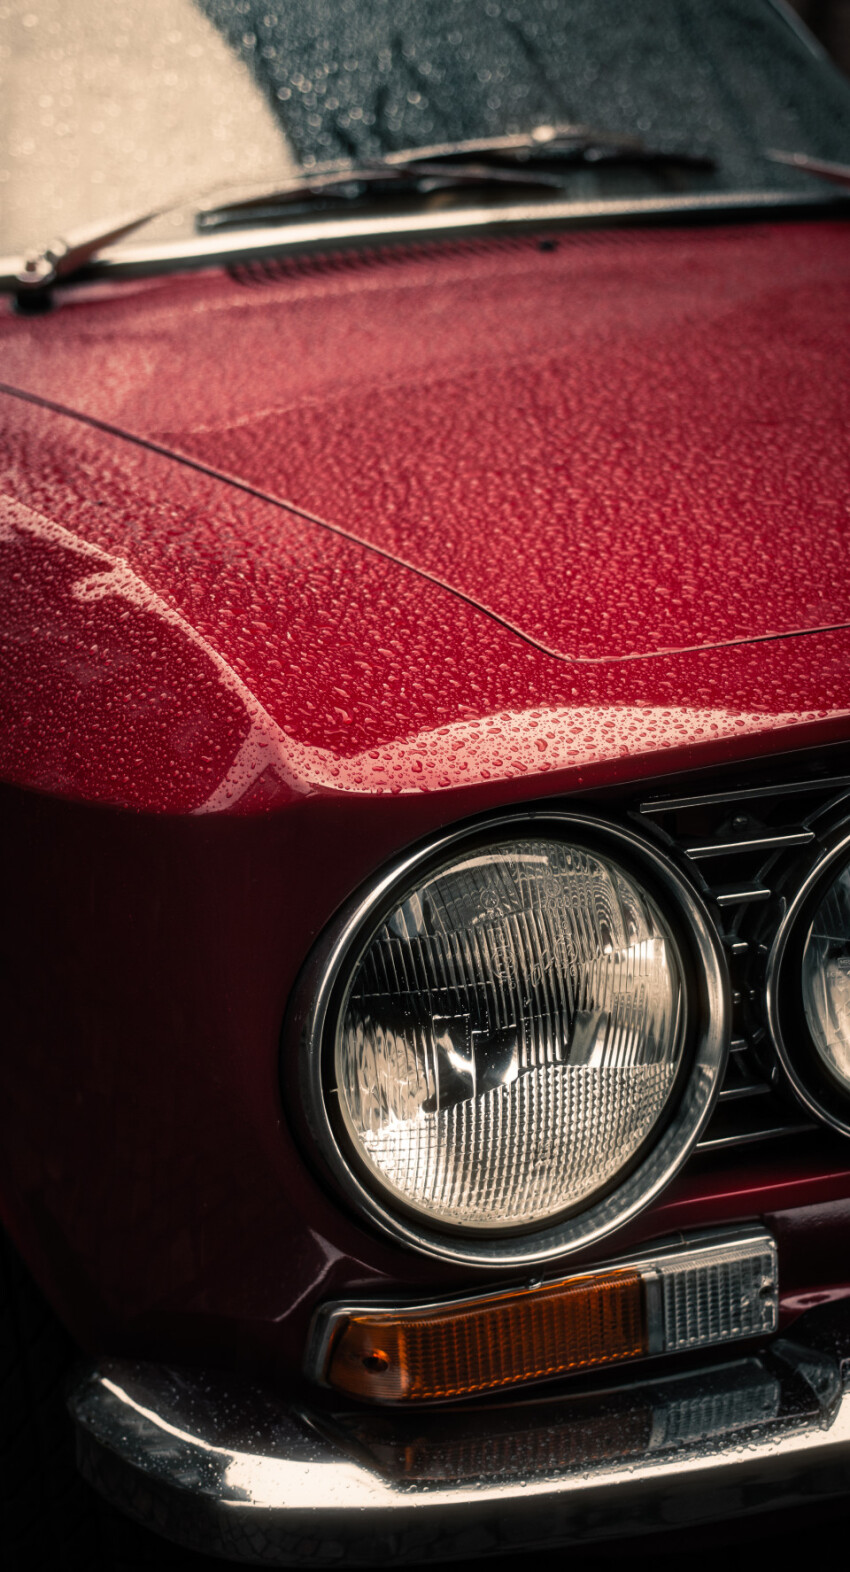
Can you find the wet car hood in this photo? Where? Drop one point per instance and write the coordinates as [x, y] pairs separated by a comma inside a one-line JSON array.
[[624, 445], [428, 520]]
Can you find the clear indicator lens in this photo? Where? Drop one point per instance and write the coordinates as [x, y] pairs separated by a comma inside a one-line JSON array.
[[826, 978], [511, 1036]]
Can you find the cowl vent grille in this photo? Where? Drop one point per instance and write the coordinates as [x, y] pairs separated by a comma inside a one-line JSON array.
[[745, 850]]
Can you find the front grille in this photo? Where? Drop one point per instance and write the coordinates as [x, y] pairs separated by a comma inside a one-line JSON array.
[[746, 849]]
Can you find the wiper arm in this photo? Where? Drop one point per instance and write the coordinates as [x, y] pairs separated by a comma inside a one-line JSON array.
[[838, 173], [577, 141], [62, 258], [531, 159]]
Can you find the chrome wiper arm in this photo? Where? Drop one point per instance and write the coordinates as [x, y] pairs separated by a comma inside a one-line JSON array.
[[63, 257], [578, 141], [838, 173], [529, 159]]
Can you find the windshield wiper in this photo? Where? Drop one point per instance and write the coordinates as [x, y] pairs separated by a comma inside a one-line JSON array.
[[534, 159], [838, 173]]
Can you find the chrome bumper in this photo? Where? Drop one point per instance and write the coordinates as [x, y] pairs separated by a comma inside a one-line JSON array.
[[235, 1471]]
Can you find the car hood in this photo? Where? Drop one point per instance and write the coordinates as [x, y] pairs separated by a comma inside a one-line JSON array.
[[618, 444], [261, 535]]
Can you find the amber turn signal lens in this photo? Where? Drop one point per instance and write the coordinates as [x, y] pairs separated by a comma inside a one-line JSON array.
[[442, 1352]]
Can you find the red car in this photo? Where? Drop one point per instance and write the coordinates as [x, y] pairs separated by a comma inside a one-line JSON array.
[[426, 760]]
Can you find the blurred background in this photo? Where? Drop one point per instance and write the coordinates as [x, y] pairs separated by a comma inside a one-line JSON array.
[[96, 96]]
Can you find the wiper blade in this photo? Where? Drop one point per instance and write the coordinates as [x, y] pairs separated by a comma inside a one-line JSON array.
[[530, 159], [356, 182], [838, 173]]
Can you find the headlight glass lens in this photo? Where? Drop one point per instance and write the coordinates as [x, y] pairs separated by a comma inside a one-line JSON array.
[[826, 978], [511, 1036]]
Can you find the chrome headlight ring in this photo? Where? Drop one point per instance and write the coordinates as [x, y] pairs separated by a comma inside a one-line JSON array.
[[322, 993], [819, 1091]]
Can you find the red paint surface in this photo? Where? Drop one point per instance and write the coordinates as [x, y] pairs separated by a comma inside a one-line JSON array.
[[635, 442], [622, 446], [175, 645]]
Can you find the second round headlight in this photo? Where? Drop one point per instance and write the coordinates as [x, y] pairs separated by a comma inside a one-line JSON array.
[[808, 986], [510, 1037], [826, 979]]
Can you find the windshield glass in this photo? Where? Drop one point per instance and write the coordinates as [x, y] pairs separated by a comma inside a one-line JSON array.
[[114, 107]]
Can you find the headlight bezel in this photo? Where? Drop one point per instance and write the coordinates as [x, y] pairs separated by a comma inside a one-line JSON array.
[[816, 1088], [334, 962]]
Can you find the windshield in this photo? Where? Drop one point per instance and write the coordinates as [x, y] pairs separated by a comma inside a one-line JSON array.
[[115, 107]]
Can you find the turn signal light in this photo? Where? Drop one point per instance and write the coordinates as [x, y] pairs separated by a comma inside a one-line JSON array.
[[716, 1287], [456, 1351]]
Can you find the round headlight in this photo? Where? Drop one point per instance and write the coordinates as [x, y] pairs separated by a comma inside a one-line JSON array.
[[511, 1037], [515, 1039], [808, 989], [826, 978]]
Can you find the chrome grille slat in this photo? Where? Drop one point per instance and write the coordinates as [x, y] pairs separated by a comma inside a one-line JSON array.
[[770, 1131], [731, 1093], [741, 897], [761, 843], [655, 805]]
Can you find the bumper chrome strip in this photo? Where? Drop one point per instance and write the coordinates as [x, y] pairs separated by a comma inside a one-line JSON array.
[[236, 1471]]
